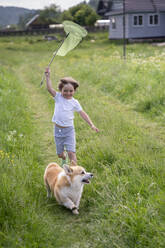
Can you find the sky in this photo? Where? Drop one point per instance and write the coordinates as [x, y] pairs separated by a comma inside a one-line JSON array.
[[39, 4]]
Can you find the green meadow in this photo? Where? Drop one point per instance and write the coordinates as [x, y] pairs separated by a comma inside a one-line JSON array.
[[124, 206]]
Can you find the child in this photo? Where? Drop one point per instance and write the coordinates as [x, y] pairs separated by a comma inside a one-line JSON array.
[[65, 106]]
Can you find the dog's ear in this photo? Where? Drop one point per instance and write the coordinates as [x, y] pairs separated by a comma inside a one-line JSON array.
[[67, 169], [73, 163]]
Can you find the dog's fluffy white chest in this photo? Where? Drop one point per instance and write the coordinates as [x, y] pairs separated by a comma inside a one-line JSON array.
[[72, 192], [74, 189]]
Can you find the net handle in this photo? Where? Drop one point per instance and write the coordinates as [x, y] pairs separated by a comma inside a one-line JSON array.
[[54, 54]]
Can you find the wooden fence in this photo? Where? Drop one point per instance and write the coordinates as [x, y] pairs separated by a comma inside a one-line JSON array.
[[45, 31]]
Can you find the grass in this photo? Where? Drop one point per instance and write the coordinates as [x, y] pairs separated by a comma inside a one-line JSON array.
[[124, 205]]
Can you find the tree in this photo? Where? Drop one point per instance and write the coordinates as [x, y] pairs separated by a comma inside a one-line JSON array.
[[66, 15], [91, 19], [50, 14], [82, 14]]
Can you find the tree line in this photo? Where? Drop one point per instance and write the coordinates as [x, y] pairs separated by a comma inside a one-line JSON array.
[[83, 13]]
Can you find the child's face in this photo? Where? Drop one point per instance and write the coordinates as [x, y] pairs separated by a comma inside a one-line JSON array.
[[68, 91]]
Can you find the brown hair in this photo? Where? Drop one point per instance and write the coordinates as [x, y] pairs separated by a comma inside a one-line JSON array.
[[68, 80]]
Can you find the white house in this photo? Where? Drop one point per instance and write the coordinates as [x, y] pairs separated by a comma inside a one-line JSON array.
[[143, 18]]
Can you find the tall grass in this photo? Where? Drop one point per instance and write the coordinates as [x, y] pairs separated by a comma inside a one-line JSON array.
[[124, 205]]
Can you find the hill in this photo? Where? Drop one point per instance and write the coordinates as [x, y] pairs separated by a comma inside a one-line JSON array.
[[10, 15]]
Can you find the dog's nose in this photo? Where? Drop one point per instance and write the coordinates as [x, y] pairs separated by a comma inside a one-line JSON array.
[[91, 175]]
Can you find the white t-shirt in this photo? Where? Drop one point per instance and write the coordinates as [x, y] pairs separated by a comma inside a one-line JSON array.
[[64, 110]]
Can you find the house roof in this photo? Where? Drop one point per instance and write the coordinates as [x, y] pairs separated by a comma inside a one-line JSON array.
[[144, 5], [32, 20], [133, 6], [103, 7]]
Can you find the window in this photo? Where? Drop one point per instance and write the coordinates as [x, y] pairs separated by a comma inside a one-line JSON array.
[[138, 20], [113, 20], [153, 20]]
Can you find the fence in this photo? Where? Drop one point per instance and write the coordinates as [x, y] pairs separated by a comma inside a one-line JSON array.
[[45, 31]]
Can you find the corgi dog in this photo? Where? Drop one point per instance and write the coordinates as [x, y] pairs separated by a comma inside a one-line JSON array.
[[66, 184]]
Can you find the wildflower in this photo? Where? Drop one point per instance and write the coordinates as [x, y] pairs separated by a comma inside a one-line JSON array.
[[12, 132], [2, 154], [11, 135], [9, 138]]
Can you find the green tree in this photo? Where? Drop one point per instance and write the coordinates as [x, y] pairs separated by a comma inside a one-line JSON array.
[[66, 15], [82, 14], [50, 14], [91, 19]]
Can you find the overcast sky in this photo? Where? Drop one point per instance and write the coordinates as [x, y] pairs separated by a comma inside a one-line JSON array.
[[39, 4]]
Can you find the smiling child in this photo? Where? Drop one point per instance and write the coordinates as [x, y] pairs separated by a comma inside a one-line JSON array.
[[65, 106]]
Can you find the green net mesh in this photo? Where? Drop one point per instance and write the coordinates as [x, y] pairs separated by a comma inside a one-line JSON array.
[[74, 29], [76, 33]]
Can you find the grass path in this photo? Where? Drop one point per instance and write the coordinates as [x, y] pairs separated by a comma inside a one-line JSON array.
[[42, 116], [38, 104], [119, 207]]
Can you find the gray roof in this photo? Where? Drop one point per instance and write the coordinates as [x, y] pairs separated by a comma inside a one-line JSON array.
[[32, 20], [136, 6], [144, 5], [103, 7]]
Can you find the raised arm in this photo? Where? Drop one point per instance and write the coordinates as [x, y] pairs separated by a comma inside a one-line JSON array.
[[84, 115], [49, 83]]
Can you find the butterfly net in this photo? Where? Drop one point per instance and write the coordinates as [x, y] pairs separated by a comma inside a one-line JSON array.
[[75, 33]]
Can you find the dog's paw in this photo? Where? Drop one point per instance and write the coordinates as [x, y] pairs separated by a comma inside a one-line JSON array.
[[75, 211]]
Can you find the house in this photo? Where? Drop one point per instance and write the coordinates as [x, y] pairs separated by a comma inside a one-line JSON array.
[[35, 23], [103, 7], [143, 19]]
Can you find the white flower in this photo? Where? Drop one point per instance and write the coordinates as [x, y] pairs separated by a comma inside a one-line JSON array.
[[9, 138], [12, 133]]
